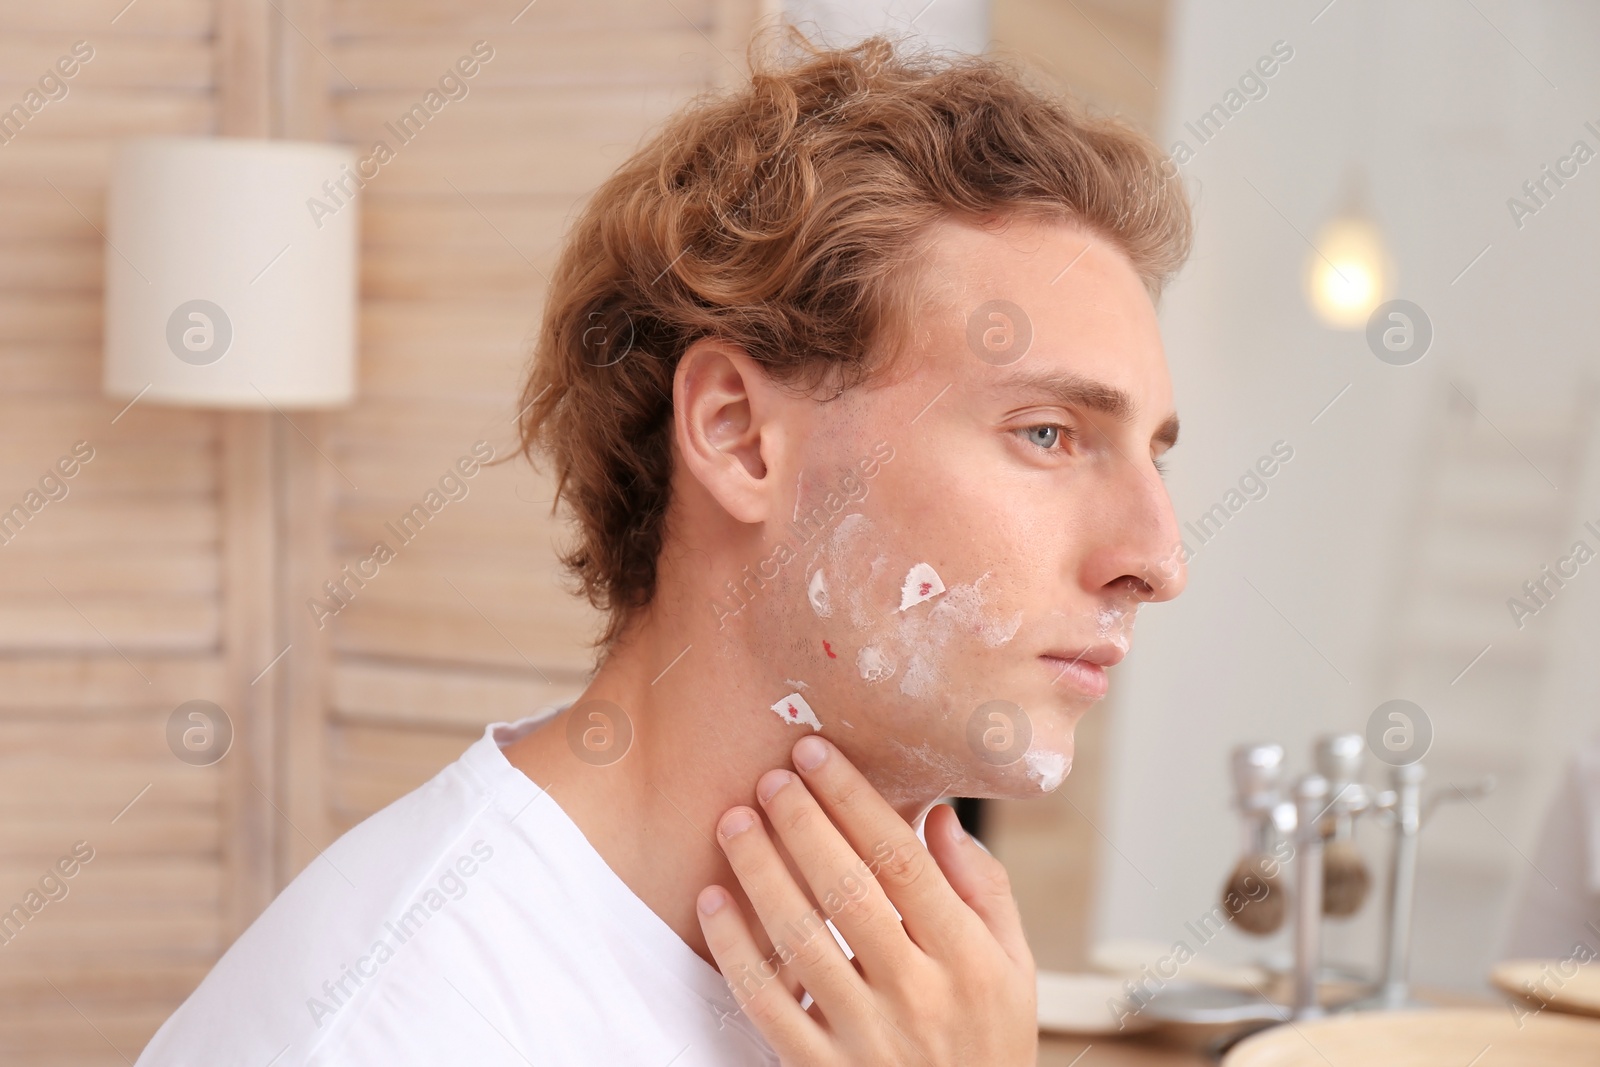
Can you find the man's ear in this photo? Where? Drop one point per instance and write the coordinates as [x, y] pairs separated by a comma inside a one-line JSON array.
[[727, 421]]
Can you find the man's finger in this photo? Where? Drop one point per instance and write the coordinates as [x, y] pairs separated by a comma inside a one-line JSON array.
[[840, 882], [978, 879], [798, 930], [756, 980], [910, 878]]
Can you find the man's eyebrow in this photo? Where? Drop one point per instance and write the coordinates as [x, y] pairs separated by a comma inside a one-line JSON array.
[[1074, 390], [1167, 432]]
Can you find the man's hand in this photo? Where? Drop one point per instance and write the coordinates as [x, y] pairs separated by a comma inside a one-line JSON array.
[[950, 982]]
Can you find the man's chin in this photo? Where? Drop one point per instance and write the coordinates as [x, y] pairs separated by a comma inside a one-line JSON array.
[[1038, 769]]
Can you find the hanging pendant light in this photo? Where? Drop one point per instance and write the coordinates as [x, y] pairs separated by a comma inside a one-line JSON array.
[[1349, 272]]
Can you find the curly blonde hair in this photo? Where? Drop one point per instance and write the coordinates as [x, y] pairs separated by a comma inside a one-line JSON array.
[[784, 218]]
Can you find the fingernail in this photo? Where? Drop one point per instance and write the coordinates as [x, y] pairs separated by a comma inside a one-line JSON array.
[[771, 782], [712, 900], [737, 822], [809, 752]]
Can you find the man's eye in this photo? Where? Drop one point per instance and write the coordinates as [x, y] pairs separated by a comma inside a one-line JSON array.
[[1047, 437]]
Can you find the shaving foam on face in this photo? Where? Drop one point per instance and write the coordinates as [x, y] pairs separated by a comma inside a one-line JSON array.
[[817, 593], [922, 637], [794, 710], [1047, 768], [844, 549], [921, 585], [928, 760], [874, 664], [1110, 623], [996, 632]]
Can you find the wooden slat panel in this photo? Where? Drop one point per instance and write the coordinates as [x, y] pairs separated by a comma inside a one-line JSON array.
[[193, 18], [104, 684], [38, 212], [369, 690], [119, 467], [374, 766], [430, 749], [358, 790], [41, 835], [569, 167], [422, 369], [60, 1032], [498, 591], [123, 521], [460, 274], [53, 783], [148, 885], [107, 112], [441, 324], [97, 624], [392, 482], [107, 975], [451, 293], [194, 932], [50, 317], [67, 265], [41, 367], [549, 641], [391, 222], [600, 58], [450, 540], [21, 417], [126, 563], [136, 738], [121, 61], [385, 19]]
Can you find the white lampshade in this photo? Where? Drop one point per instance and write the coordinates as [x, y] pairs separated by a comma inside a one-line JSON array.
[[231, 273], [954, 25]]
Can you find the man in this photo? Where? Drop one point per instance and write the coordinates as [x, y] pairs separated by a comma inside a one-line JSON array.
[[853, 388]]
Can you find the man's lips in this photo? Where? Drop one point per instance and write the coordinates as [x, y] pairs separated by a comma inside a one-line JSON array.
[[1084, 668], [1101, 655]]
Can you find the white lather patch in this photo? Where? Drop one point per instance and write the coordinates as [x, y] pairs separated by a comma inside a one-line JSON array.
[[817, 593], [874, 665], [1111, 619], [922, 584], [1047, 768], [793, 710]]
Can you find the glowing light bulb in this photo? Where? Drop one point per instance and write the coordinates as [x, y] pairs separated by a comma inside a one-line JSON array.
[[1348, 274]]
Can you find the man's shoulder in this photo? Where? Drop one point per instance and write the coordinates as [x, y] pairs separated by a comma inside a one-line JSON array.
[[469, 921], [294, 974]]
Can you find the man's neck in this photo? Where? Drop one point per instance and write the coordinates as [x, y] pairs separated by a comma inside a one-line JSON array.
[[697, 704]]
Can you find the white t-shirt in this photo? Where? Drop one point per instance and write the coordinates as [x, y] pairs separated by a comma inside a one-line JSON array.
[[469, 922]]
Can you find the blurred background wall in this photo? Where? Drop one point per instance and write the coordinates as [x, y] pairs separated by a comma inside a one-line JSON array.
[[1381, 561], [180, 563]]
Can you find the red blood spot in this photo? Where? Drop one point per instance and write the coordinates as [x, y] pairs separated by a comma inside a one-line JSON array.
[[925, 588], [829, 650], [792, 713]]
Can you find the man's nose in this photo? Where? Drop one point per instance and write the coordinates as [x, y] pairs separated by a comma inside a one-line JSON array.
[[1141, 545]]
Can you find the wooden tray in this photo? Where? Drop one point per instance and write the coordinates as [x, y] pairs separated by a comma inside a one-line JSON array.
[[1449, 1037], [1578, 993]]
